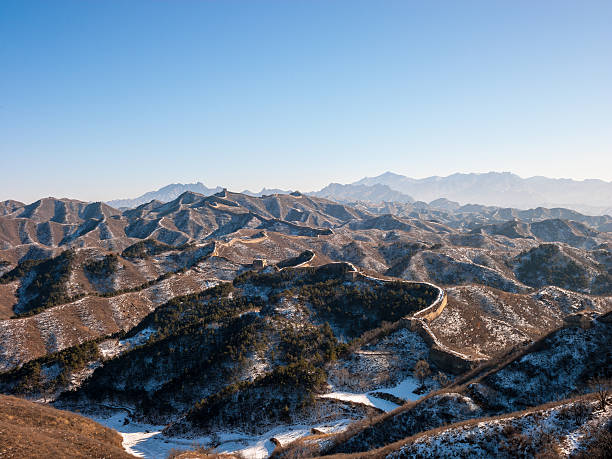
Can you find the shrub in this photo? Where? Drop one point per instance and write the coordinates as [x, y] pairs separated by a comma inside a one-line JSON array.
[[421, 371], [601, 386], [598, 444], [577, 412]]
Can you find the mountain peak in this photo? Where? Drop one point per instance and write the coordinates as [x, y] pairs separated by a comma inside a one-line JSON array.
[[165, 194]]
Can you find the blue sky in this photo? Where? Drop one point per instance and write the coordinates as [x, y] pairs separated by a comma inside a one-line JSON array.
[[109, 99]]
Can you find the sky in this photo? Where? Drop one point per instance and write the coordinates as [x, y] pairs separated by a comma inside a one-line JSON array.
[[109, 99]]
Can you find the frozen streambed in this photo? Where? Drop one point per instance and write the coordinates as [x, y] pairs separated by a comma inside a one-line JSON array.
[[147, 440], [404, 390]]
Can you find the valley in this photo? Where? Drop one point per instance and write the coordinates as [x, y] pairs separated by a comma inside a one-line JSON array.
[[293, 325]]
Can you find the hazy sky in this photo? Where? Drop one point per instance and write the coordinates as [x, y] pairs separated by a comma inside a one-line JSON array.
[[108, 99]]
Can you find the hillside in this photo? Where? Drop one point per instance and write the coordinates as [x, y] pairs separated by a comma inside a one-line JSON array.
[[572, 428], [34, 430], [88, 288], [243, 323], [523, 379], [196, 339]]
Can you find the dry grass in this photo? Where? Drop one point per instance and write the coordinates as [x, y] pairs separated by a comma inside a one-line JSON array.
[[31, 430], [468, 326], [199, 453], [8, 298]]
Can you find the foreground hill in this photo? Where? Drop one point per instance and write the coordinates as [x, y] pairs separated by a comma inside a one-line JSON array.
[[573, 428], [34, 430]]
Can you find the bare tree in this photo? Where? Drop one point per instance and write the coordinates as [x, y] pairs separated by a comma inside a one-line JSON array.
[[422, 371], [601, 386]]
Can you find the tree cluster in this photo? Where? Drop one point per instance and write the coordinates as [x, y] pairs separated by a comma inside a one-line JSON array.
[[105, 267]]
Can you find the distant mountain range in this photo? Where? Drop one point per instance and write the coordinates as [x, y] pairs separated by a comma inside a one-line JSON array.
[[499, 189], [504, 189]]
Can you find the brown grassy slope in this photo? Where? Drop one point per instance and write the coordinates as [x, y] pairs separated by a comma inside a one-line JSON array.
[[482, 321], [31, 430], [8, 298]]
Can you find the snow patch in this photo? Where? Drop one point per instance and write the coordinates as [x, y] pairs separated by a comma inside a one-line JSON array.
[[148, 441]]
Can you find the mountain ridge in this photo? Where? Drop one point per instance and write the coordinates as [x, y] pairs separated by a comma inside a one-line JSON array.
[[164, 194], [499, 189], [199, 314]]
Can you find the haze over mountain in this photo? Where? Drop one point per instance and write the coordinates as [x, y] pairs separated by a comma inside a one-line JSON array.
[[499, 189], [504, 189]]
